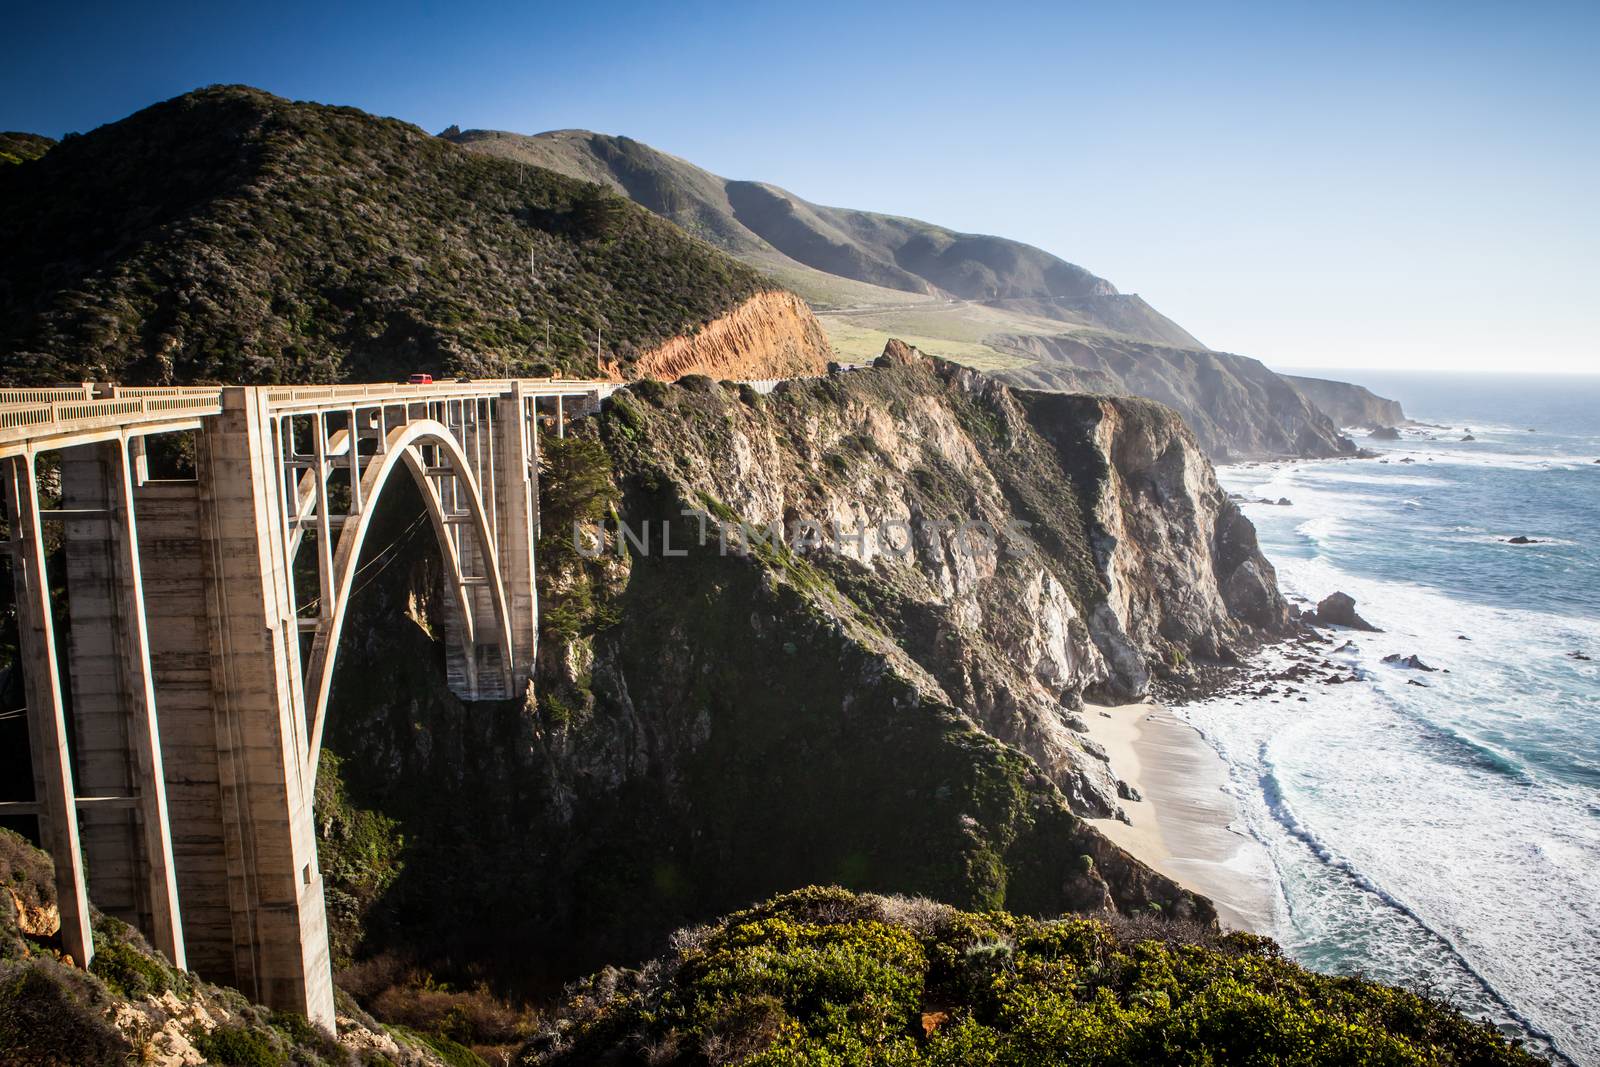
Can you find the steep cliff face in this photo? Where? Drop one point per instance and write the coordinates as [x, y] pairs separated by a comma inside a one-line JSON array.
[[844, 643], [1349, 405], [1113, 536], [1236, 407], [1183, 573], [771, 335]]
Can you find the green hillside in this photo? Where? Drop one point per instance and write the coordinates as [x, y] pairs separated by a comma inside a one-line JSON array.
[[836, 257], [231, 235]]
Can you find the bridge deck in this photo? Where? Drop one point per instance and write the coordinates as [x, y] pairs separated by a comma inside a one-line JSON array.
[[33, 420]]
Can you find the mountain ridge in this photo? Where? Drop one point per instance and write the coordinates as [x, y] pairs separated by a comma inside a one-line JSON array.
[[232, 235], [993, 303], [765, 222]]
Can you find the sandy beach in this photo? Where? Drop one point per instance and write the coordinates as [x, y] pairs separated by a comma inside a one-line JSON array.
[[1181, 827]]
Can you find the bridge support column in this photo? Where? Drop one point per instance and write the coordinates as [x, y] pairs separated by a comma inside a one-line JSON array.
[[279, 928], [54, 793], [516, 493], [116, 740]]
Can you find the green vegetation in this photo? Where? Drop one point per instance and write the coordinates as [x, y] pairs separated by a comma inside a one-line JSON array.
[[825, 977], [857, 341], [131, 1005], [230, 235], [360, 851], [22, 147], [127, 966], [576, 493]]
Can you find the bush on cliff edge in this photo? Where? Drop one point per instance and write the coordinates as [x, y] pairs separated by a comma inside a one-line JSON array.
[[823, 976]]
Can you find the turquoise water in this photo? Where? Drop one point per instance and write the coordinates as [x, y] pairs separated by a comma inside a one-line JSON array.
[[1447, 837]]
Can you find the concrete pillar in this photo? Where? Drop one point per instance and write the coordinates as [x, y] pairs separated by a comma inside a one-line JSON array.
[[47, 724], [116, 747], [176, 598], [516, 495], [280, 942]]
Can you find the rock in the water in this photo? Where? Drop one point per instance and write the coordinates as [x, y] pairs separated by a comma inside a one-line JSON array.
[[1283, 502], [1462, 637], [1413, 681], [1411, 662], [1385, 433], [1521, 539], [1339, 609], [1469, 437], [1577, 655]]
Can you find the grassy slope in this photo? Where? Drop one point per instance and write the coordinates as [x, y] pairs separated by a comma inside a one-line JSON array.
[[839, 258], [232, 235], [828, 978], [987, 302]]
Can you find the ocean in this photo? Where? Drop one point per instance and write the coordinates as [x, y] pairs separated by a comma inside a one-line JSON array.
[[1443, 836]]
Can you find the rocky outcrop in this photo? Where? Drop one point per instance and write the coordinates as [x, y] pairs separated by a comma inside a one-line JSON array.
[[1349, 405], [1184, 574], [1236, 407], [771, 335], [1133, 563], [1339, 609], [132, 1006], [852, 653], [1412, 662]]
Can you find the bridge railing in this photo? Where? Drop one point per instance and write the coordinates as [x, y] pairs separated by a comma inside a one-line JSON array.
[[21, 424], [44, 417], [46, 396]]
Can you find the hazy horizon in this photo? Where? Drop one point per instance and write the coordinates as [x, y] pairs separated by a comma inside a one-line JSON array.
[[1371, 189]]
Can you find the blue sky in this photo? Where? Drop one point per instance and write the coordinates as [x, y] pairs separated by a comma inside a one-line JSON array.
[[1385, 185]]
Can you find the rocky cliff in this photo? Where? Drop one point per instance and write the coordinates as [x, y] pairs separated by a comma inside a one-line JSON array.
[[1237, 408], [771, 335], [1350, 405], [845, 643]]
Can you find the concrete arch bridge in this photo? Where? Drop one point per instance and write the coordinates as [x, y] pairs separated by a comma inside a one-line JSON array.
[[175, 732]]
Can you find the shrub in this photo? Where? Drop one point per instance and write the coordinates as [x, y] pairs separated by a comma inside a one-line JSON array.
[[825, 977], [240, 1046], [47, 1018]]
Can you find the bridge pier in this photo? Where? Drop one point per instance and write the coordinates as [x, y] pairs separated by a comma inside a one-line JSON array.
[[178, 766], [118, 766], [279, 942], [55, 796]]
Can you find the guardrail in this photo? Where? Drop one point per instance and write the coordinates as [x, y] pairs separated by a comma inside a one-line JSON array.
[[296, 396], [32, 416], [45, 396], [21, 423]]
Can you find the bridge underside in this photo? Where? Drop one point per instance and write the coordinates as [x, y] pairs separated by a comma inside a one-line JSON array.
[[174, 732]]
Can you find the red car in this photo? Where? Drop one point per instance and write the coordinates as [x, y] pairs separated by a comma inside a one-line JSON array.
[[420, 379]]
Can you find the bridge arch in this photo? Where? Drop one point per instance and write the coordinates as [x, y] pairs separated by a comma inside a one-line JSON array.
[[405, 446]]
